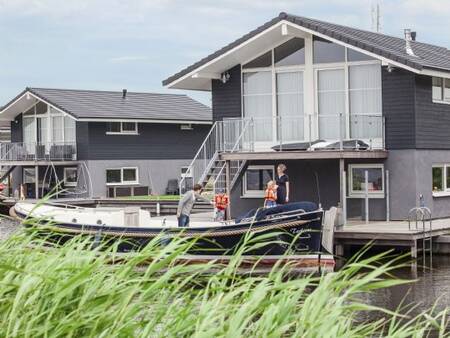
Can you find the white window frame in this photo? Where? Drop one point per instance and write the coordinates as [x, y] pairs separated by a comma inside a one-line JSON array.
[[445, 189], [66, 183], [361, 194], [122, 182], [443, 101], [123, 132], [187, 174], [255, 193], [24, 176]]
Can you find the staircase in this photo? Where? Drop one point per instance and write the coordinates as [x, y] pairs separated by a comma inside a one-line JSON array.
[[207, 168]]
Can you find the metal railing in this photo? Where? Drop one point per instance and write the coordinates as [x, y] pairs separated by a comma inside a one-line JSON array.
[[50, 151], [341, 130]]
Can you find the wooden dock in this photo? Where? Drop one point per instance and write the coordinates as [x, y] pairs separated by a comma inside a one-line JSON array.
[[395, 234]]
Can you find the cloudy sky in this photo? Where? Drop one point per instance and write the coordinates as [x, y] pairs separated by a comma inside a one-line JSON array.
[[135, 44]]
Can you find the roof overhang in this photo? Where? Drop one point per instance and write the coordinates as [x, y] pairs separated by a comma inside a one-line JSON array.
[[99, 119], [199, 78], [22, 103]]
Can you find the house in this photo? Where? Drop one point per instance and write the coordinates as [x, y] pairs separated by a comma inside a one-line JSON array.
[[383, 101], [100, 143]]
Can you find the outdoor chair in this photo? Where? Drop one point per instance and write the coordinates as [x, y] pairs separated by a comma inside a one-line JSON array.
[[172, 187]]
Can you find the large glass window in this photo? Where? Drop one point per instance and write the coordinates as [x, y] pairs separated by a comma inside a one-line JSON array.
[[264, 60], [70, 176], [69, 129], [365, 101], [125, 128], [257, 93], [357, 179], [331, 103], [255, 180], [353, 55], [113, 176], [290, 53], [327, 52], [290, 106], [438, 178]]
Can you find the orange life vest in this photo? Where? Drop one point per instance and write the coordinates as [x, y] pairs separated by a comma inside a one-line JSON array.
[[270, 195], [221, 201]]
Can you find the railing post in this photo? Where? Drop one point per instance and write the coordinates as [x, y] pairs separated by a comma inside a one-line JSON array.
[[344, 197], [388, 210], [341, 141], [310, 129], [366, 195], [279, 128]]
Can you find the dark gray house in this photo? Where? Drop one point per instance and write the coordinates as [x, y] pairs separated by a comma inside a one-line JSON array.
[[100, 143], [379, 105]]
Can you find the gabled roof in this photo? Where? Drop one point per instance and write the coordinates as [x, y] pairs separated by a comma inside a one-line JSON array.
[[110, 105], [385, 46]]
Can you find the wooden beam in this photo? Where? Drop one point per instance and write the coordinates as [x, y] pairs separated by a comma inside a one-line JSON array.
[[228, 188]]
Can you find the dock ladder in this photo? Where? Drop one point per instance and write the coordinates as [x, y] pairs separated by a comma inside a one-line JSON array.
[[420, 217]]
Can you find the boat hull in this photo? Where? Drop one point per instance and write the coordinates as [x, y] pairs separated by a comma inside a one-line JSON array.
[[295, 232]]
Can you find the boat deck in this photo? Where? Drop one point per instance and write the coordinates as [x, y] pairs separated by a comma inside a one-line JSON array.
[[389, 234]]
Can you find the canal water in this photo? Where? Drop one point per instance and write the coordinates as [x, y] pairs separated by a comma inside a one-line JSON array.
[[429, 287]]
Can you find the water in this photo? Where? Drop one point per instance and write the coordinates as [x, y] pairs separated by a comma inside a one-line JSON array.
[[430, 286]]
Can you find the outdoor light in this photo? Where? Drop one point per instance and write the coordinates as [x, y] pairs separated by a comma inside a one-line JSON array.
[[390, 68], [225, 77]]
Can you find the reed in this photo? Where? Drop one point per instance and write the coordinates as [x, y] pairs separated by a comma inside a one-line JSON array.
[[69, 291]]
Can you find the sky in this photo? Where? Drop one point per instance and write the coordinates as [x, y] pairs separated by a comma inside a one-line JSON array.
[[135, 44]]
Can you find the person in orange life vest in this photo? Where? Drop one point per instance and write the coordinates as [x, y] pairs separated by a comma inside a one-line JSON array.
[[221, 202], [270, 196]]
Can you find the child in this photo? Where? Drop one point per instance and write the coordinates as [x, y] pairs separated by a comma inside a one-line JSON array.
[[221, 203], [270, 196]]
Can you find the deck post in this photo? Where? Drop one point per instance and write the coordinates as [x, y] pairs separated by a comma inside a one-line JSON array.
[[344, 198], [414, 250], [342, 193], [228, 188], [36, 178], [388, 210], [366, 195]]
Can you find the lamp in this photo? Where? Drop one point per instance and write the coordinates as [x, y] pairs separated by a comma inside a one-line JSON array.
[[225, 77]]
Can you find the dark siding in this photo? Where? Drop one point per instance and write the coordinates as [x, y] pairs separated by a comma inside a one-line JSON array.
[[155, 141], [82, 135], [432, 119], [398, 108], [226, 97], [16, 129]]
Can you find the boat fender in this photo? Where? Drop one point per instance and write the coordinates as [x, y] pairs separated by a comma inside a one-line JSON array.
[[74, 220], [12, 212]]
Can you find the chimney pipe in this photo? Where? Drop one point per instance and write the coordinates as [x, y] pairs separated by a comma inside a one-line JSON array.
[[413, 36], [408, 39], [124, 93]]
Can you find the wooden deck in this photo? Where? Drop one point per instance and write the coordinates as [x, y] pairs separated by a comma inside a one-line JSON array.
[[390, 234]]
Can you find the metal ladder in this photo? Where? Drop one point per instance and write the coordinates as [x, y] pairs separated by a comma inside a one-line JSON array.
[[422, 216]]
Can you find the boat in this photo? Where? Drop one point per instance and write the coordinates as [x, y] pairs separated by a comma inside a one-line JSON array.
[[296, 228]]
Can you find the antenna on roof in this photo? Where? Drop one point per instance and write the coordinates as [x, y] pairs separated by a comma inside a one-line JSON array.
[[376, 16]]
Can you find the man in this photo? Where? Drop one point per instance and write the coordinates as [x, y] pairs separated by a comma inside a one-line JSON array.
[[187, 203]]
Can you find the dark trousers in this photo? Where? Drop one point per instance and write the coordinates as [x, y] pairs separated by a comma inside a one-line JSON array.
[[183, 221]]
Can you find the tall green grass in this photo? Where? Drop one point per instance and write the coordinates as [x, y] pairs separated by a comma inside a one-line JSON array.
[[73, 292]]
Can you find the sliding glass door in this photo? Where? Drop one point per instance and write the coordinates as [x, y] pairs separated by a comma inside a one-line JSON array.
[[331, 96], [290, 106]]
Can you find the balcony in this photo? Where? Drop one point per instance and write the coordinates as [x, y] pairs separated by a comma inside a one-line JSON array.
[[36, 152], [308, 132]]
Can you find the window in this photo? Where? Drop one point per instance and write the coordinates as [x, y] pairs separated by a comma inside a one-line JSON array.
[[357, 184], [258, 102], [70, 177], [290, 105], [327, 52], [290, 53], [365, 101], [264, 60], [255, 180], [124, 128], [353, 55], [122, 176], [441, 180], [441, 90], [185, 172], [29, 175]]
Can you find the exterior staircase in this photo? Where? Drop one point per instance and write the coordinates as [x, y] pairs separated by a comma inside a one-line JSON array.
[[208, 168]]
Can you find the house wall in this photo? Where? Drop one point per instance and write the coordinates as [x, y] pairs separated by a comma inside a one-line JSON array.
[[154, 141], [398, 92], [226, 97], [152, 173], [432, 119]]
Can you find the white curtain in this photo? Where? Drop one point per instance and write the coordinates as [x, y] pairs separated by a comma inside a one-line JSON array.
[[290, 106], [331, 96], [69, 129], [57, 129], [365, 101], [29, 133], [257, 92]]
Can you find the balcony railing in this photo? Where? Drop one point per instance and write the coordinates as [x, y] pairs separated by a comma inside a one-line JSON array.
[[253, 134], [53, 151]]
